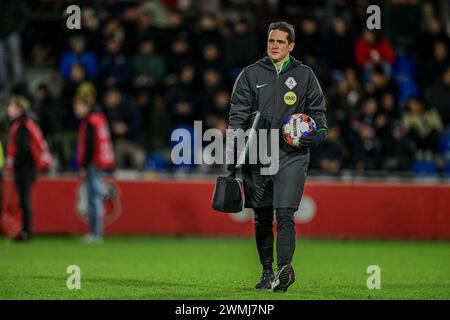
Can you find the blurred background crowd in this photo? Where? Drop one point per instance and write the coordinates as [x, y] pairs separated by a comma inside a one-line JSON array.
[[156, 65]]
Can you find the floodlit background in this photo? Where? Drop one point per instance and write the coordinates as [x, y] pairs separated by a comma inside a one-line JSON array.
[[377, 191]]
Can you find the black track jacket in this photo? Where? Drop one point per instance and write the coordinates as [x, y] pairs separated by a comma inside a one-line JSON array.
[[259, 87]]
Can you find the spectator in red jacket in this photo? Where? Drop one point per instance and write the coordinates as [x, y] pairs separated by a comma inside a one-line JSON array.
[[373, 48], [27, 153]]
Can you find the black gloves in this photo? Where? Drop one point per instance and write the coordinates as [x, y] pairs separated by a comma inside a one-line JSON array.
[[314, 139]]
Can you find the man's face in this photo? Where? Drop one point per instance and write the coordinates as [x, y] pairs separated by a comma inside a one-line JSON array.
[[147, 47], [112, 99], [446, 77], [369, 36], [277, 45], [78, 45], [415, 106]]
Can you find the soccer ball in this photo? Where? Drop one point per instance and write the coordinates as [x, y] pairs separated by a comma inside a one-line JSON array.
[[296, 126]]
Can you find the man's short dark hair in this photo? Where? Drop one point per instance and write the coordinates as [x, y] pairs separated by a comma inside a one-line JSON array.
[[283, 26]]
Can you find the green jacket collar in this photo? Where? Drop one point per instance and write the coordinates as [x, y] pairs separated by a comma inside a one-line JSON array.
[[267, 63], [283, 66]]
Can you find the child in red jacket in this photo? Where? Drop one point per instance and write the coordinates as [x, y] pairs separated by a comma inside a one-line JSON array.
[[94, 153], [27, 153]]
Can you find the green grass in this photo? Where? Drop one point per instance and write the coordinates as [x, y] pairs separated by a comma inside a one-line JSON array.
[[204, 268]]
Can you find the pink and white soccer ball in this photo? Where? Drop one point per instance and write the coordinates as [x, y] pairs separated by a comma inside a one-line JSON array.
[[296, 126]]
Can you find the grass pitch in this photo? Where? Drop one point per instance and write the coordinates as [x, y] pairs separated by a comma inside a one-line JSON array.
[[211, 268]]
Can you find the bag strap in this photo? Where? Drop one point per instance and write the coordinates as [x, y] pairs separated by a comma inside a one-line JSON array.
[[250, 140]]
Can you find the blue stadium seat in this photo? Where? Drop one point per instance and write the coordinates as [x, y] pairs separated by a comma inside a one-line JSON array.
[[403, 72], [404, 67], [447, 169], [444, 144], [156, 161], [423, 168]]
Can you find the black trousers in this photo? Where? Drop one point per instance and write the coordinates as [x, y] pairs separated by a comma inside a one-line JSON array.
[[285, 236], [281, 190], [24, 183]]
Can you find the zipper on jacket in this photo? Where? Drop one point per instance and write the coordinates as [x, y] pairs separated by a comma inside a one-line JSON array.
[[277, 98], [274, 118]]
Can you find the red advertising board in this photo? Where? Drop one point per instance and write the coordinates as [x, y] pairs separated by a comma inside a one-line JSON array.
[[345, 210]]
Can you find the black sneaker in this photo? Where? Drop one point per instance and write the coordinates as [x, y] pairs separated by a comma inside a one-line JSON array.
[[22, 237], [265, 281], [283, 279]]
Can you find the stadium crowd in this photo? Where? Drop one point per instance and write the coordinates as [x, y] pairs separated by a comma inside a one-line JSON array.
[[156, 65]]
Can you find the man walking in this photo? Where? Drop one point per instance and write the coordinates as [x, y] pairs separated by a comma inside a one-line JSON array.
[[277, 86]]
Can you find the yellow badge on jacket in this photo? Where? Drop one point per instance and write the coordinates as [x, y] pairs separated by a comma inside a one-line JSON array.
[[290, 98]]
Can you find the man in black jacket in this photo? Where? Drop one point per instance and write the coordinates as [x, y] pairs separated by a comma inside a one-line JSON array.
[[277, 86]]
